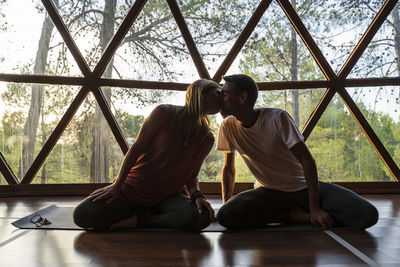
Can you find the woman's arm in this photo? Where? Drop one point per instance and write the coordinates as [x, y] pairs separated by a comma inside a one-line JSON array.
[[197, 197], [148, 130], [193, 184]]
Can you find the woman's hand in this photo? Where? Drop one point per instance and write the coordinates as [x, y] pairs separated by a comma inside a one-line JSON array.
[[109, 193], [203, 203]]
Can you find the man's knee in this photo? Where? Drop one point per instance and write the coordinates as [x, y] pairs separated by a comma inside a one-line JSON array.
[[226, 217], [364, 216], [223, 218], [232, 213], [368, 218]]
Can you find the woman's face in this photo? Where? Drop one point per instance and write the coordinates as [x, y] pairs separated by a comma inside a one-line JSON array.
[[213, 101]]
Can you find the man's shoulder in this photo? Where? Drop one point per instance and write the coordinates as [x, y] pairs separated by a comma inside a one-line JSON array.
[[271, 111]]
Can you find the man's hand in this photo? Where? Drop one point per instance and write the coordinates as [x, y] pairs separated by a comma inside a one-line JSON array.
[[321, 217], [109, 192], [203, 203]]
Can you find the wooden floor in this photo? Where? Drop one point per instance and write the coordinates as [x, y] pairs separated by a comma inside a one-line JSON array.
[[377, 246]]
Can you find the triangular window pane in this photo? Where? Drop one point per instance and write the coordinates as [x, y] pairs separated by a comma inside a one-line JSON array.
[[153, 49], [29, 36], [275, 52], [380, 106], [131, 106], [215, 25], [381, 58], [337, 26], [92, 24], [307, 100], [46, 107], [79, 156], [341, 150]]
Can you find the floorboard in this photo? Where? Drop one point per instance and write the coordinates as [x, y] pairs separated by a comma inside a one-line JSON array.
[[379, 244]]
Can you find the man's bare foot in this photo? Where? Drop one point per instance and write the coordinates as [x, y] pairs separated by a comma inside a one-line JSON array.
[[129, 222], [297, 215]]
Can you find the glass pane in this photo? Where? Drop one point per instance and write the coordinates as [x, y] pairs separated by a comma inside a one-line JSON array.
[[215, 25], [341, 150], [381, 58], [87, 151], [45, 104], [153, 49], [306, 101], [3, 180], [92, 24], [30, 42], [211, 169], [337, 26], [380, 106], [131, 106], [275, 52], [243, 173]]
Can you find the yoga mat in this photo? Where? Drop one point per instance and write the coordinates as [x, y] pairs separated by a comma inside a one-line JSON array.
[[61, 219]]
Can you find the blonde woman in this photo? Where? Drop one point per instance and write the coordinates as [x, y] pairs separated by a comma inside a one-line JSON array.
[[167, 155]]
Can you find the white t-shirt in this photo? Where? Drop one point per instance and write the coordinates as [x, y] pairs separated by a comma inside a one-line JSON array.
[[265, 148]]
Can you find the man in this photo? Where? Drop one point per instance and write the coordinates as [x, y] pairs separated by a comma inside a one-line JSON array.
[[288, 190]]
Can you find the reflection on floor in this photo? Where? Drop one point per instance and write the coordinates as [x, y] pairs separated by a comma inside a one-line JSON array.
[[377, 246]]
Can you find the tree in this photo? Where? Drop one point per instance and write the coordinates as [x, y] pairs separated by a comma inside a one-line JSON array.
[[32, 121]]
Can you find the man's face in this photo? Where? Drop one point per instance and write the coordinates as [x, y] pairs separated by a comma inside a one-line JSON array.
[[230, 100]]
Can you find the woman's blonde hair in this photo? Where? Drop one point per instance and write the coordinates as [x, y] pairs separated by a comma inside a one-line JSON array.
[[194, 110]]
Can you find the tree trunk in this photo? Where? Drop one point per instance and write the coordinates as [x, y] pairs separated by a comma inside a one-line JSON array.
[[43, 179], [396, 23], [359, 159], [294, 71], [44, 138], [32, 122], [99, 167]]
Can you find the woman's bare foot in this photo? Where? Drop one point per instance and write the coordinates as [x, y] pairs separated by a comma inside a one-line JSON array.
[[129, 222], [297, 215]]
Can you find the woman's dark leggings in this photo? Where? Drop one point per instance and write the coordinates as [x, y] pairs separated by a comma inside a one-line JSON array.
[[258, 207], [175, 212]]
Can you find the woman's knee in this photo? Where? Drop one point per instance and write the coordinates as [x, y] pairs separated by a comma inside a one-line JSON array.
[[201, 221], [80, 217], [84, 215]]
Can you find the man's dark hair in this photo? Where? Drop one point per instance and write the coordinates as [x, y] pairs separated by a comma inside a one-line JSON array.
[[245, 83]]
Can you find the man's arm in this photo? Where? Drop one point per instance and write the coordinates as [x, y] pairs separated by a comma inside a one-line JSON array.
[[303, 155], [228, 176]]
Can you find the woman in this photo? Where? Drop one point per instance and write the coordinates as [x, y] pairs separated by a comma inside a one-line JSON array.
[[166, 155]]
